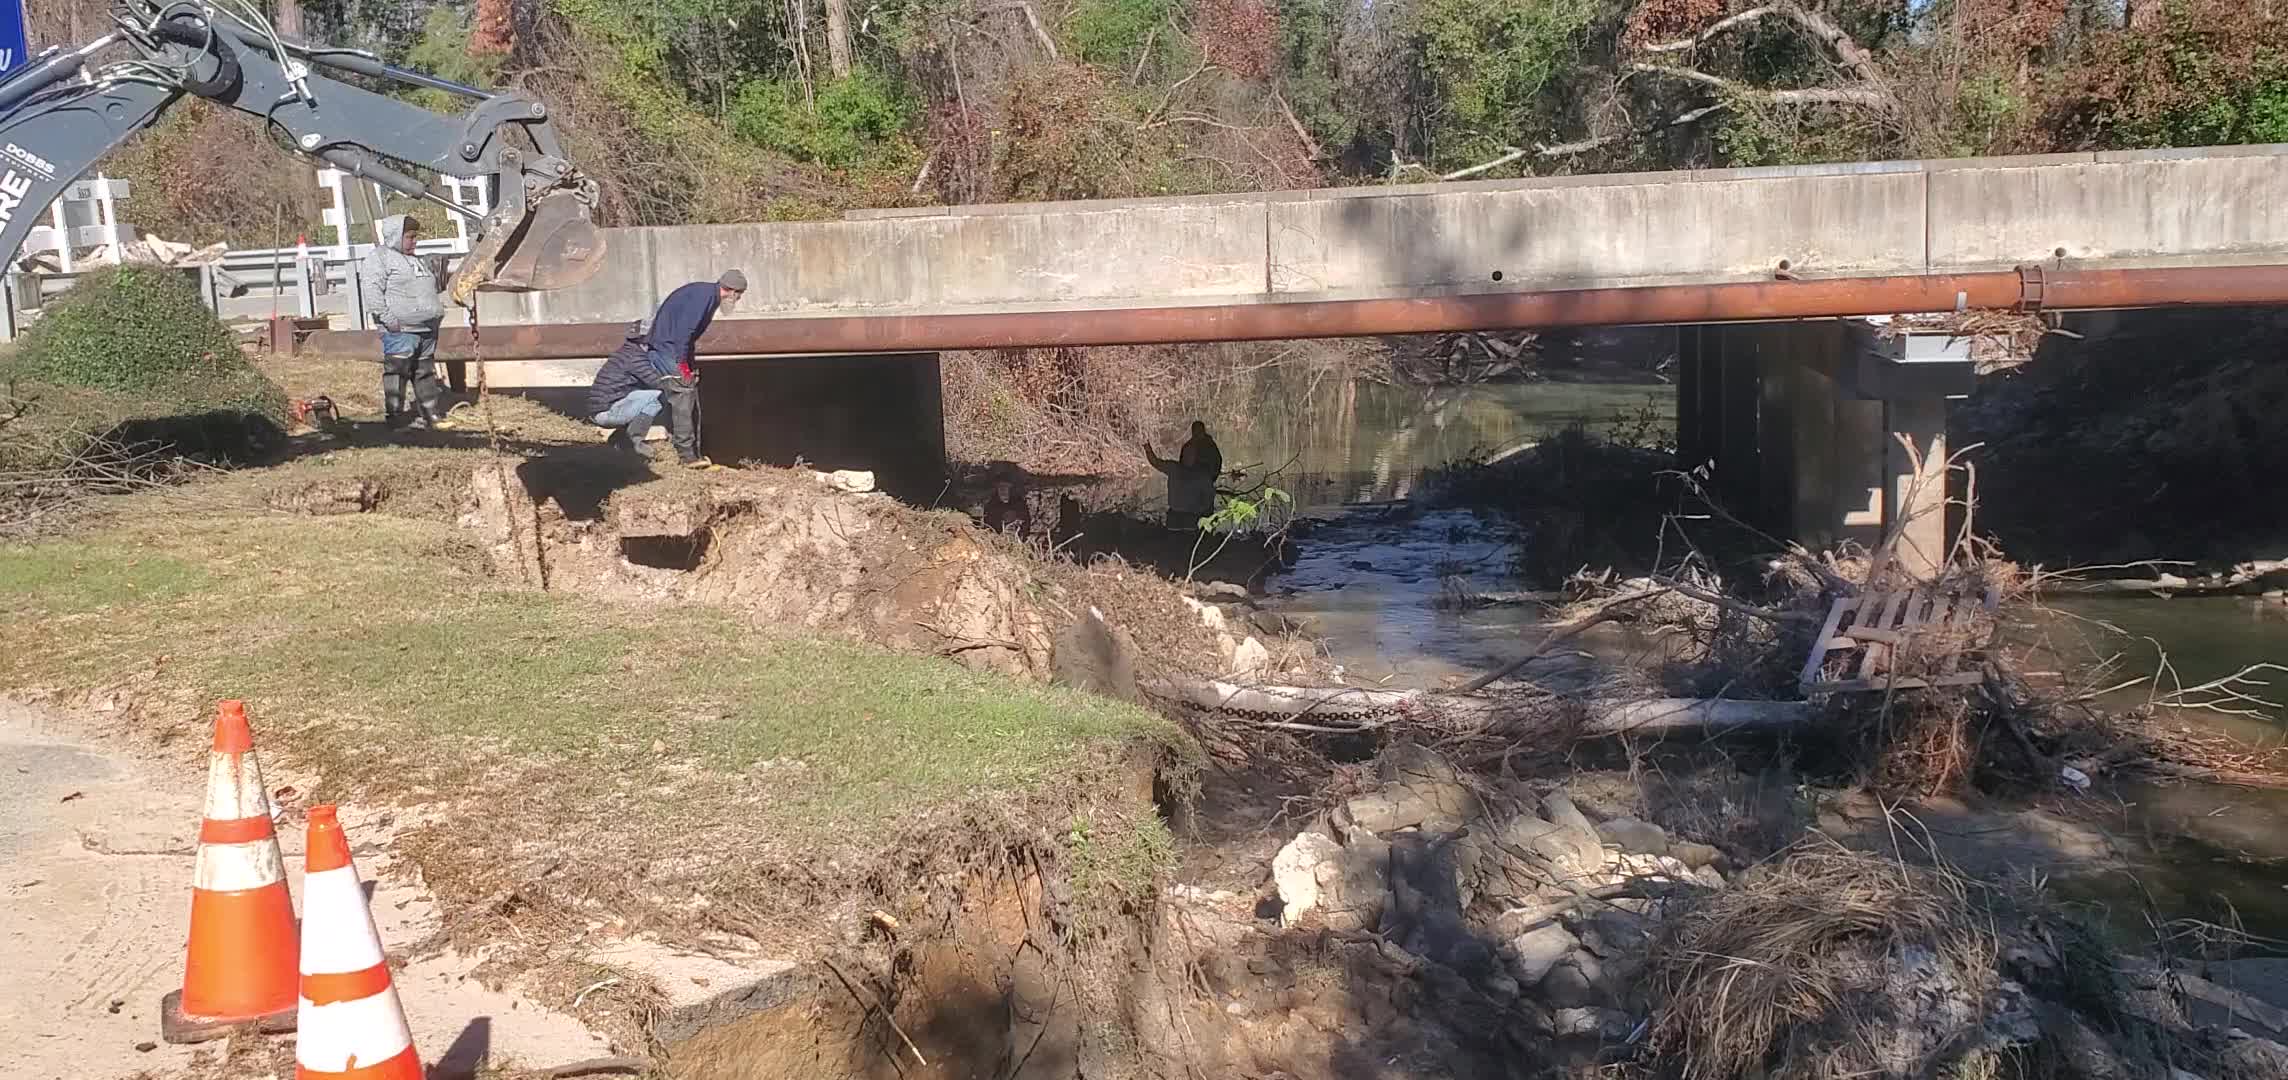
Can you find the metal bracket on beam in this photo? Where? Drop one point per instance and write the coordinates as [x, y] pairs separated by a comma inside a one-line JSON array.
[[2032, 288], [1912, 365]]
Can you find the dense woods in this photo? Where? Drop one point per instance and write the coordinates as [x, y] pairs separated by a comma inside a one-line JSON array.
[[719, 110]]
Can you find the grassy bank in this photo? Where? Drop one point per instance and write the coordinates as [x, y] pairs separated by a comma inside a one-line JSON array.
[[581, 753]]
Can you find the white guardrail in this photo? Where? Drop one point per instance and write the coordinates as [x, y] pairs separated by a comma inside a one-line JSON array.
[[307, 280], [247, 285]]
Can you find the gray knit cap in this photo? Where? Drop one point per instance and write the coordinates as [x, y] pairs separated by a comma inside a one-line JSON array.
[[733, 280]]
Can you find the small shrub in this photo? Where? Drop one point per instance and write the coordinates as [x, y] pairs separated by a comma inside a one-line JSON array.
[[853, 118], [130, 361], [1113, 31], [133, 328]]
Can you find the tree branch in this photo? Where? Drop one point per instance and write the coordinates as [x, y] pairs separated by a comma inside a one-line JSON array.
[[1033, 20], [1152, 119], [1718, 29], [1848, 53], [1513, 154], [1310, 145], [1547, 151], [1863, 97]]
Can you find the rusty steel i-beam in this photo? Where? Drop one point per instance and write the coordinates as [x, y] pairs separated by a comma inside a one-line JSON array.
[[2028, 288]]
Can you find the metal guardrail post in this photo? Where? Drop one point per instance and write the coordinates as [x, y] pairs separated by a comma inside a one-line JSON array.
[[355, 285], [210, 288], [305, 286]]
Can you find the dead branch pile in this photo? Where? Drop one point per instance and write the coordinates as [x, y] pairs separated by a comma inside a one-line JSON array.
[[1467, 357], [1827, 962], [1807, 966], [1999, 339], [48, 475]]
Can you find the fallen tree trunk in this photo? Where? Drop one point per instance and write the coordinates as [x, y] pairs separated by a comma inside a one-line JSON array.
[[1349, 710], [2245, 579]]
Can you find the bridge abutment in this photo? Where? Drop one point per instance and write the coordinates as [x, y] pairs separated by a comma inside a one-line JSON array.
[[1823, 431]]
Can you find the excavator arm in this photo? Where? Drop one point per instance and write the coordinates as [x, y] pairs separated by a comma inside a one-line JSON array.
[[60, 114]]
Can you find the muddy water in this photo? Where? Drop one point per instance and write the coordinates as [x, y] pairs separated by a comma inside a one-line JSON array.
[[2200, 851]]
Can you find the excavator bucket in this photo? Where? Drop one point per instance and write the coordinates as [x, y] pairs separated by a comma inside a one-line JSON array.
[[560, 247], [556, 245]]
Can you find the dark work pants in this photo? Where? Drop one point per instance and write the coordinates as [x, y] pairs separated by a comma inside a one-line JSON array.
[[681, 397], [409, 363]]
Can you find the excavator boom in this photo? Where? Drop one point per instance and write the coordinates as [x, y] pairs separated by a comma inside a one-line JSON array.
[[60, 114]]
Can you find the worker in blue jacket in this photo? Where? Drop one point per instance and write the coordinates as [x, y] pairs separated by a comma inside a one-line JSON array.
[[652, 372]]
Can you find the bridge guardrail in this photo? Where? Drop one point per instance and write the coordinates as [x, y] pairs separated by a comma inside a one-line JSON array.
[[316, 282]]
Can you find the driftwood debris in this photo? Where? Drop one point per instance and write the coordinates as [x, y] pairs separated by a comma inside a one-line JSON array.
[[1865, 635], [1346, 710], [2245, 579]]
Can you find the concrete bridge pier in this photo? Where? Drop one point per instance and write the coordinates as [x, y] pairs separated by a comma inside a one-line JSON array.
[[1824, 431]]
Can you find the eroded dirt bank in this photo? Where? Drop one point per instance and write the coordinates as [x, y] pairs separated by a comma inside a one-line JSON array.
[[789, 551], [1403, 917]]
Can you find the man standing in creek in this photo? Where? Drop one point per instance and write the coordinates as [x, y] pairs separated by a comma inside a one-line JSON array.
[[1191, 477], [652, 372]]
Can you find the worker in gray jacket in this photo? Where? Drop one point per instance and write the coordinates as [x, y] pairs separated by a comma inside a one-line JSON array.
[[401, 294]]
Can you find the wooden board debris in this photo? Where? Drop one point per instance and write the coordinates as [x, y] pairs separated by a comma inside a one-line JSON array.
[[1864, 634]]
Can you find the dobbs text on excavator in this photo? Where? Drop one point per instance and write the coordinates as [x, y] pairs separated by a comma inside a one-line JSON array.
[[60, 113]]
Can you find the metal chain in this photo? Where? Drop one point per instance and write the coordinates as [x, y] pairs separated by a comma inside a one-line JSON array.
[[500, 459]]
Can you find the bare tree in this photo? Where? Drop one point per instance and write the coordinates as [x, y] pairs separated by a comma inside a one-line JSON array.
[[838, 38]]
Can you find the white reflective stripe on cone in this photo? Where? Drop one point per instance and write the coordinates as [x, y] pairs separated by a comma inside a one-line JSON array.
[[337, 928], [349, 1034], [234, 787], [238, 867]]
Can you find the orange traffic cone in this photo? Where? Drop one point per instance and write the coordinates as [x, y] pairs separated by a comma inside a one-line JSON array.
[[240, 969], [352, 1025]]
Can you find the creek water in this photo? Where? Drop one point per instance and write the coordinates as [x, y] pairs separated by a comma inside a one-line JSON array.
[[1369, 578]]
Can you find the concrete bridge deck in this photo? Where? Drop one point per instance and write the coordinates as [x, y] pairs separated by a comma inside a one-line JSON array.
[[2077, 212]]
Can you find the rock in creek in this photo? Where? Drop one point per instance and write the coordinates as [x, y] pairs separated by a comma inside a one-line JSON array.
[[1295, 873], [1613, 934], [1694, 854], [1572, 984], [1347, 887], [1635, 837], [1610, 1025], [1419, 790], [1574, 846], [1538, 950]]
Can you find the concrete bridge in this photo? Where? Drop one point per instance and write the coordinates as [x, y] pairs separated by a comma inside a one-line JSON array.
[[1820, 429], [1118, 271]]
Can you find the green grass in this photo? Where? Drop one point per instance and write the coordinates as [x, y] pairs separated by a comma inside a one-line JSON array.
[[371, 648]]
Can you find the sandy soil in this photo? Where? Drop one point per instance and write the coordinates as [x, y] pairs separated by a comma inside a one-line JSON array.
[[95, 876]]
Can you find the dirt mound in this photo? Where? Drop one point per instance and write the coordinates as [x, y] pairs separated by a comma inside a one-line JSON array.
[[791, 553]]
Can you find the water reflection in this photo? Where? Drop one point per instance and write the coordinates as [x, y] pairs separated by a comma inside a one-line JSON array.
[[1368, 581], [1354, 442]]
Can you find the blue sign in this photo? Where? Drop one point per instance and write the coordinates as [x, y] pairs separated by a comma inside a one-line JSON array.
[[15, 43]]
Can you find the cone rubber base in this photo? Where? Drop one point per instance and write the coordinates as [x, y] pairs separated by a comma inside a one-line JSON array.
[[176, 1027]]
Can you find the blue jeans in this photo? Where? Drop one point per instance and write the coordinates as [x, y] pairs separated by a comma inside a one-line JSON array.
[[634, 411], [637, 404]]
